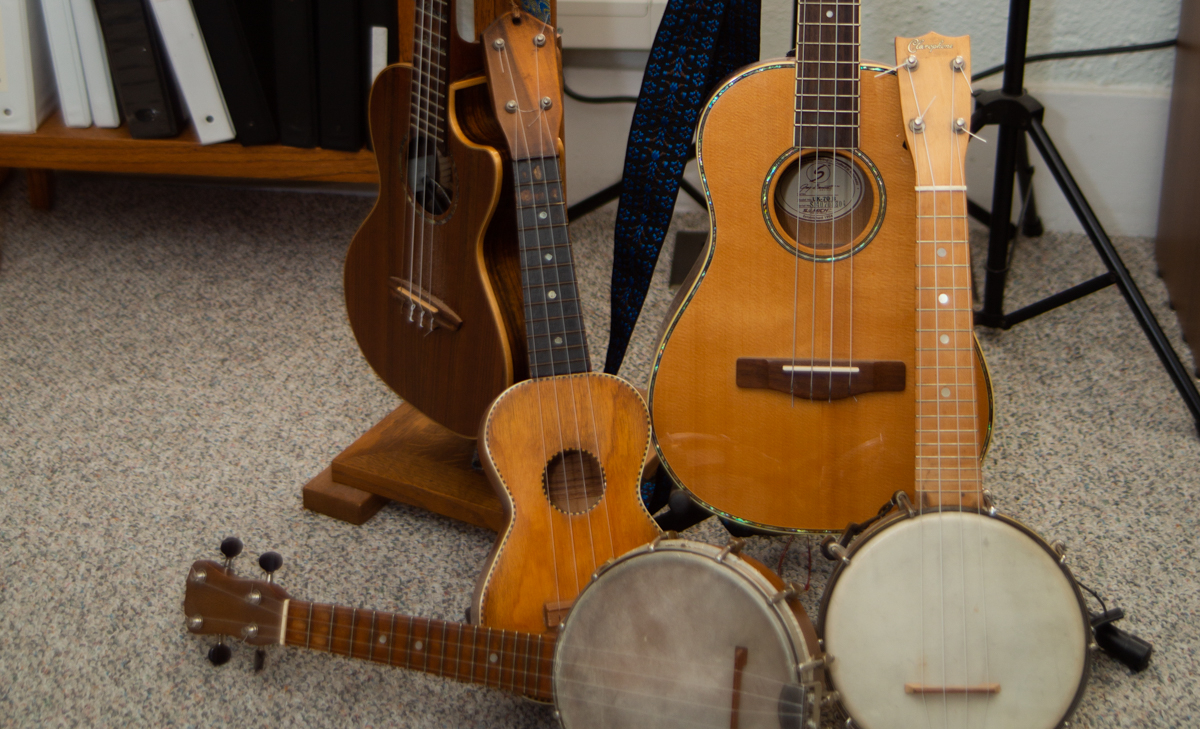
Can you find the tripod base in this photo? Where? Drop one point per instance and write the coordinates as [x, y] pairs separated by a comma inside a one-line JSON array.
[[408, 458]]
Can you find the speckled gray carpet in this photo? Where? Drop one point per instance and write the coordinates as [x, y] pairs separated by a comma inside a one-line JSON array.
[[175, 364]]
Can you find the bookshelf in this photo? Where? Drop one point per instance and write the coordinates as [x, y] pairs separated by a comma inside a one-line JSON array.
[[58, 147]]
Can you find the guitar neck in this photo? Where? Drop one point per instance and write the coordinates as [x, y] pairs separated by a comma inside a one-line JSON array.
[[553, 315], [827, 34], [431, 23], [516, 662]]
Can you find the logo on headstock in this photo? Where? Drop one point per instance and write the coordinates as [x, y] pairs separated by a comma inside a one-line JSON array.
[[919, 44]]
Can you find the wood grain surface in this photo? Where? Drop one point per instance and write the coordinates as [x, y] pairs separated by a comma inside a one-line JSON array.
[[544, 557], [755, 454], [450, 376]]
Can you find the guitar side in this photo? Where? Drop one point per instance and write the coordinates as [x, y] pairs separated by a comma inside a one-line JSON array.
[[451, 374], [546, 554], [751, 452]]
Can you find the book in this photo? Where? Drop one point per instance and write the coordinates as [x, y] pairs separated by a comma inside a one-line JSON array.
[[144, 87], [339, 75], [296, 72], [193, 69], [68, 67], [381, 48], [237, 73], [101, 97], [27, 92]]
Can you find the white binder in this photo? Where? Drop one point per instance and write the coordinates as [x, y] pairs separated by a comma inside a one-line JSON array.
[[27, 94], [101, 97], [68, 68], [193, 69]]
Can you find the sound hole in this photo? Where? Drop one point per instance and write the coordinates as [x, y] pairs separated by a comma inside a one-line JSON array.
[[574, 481], [824, 202], [429, 175]]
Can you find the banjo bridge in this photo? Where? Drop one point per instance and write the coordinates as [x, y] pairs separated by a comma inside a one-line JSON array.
[[983, 688]]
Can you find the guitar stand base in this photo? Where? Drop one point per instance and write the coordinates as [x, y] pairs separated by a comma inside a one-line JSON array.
[[406, 457]]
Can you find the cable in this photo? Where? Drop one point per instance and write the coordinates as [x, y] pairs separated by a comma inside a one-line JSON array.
[[1057, 55], [598, 99]]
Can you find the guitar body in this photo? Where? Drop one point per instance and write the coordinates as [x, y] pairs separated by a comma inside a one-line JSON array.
[[539, 436], [403, 254], [728, 435]]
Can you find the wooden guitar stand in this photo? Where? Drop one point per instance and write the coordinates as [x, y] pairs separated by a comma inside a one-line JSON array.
[[406, 457]]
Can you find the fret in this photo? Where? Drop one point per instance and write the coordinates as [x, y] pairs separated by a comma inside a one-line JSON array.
[[537, 666], [392, 639], [408, 645], [426, 127], [329, 633], [371, 639], [425, 94], [525, 667], [458, 653], [353, 629], [308, 628], [422, 644], [442, 663]]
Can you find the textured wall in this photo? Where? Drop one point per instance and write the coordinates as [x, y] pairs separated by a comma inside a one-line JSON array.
[[1054, 25]]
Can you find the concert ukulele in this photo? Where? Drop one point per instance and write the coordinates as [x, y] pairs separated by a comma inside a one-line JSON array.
[[621, 660], [428, 277], [565, 450], [948, 614], [782, 391]]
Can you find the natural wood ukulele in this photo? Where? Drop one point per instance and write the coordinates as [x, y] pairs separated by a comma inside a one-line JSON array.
[[566, 449], [948, 614], [432, 282], [782, 393]]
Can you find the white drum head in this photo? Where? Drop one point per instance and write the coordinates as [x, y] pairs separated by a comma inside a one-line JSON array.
[[653, 644], [935, 605]]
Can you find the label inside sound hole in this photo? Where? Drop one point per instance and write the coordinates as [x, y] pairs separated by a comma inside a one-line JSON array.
[[825, 188]]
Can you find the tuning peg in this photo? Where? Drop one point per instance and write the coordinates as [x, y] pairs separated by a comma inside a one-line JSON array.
[[270, 561], [230, 547], [219, 654]]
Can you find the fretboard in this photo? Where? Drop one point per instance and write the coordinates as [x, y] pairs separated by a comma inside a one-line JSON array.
[[947, 446], [553, 316], [430, 25], [507, 660], [827, 74]]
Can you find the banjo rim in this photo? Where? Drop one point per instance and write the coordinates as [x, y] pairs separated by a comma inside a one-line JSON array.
[[902, 515]]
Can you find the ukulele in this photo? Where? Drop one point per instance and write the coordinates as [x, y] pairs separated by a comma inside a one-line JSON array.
[[428, 278], [565, 450], [608, 667], [948, 614], [782, 391]]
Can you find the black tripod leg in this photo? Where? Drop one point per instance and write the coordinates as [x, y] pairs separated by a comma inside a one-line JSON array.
[[1133, 295], [1030, 222], [992, 312]]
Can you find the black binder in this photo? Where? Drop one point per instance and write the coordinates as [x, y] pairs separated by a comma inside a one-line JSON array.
[[339, 75], [237, 72], [378, 14], [296, 72], [140, 76]]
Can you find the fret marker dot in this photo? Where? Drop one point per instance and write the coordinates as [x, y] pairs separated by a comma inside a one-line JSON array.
[[558, 340], [941, 253], [551, 295], [945, 339], [943, 299], [542, 215], [828, 13], [493, 658], [549, 257], [418, 645], [382, 640], [945, 392]]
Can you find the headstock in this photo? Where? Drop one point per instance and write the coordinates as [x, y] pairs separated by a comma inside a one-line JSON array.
[[524, 71], [218, 603], [935, 99]]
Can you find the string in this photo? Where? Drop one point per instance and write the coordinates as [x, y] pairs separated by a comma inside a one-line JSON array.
[[798, 139], [442, 106], [414, 125]]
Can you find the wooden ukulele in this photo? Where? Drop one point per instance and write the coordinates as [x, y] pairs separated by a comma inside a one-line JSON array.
[[947, 614], [608, 668], [566, 449], [782, 392], [428, 281]]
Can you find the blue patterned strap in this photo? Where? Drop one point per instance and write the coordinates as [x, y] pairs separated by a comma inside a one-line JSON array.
[[698, 43]]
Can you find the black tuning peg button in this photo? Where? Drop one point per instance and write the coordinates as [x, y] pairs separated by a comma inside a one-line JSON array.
[[231, 547], [270, 561], [219, 654]]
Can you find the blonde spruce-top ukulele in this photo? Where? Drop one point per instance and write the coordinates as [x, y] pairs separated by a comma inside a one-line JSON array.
[[783, 390], [565, 450], [948, 614]]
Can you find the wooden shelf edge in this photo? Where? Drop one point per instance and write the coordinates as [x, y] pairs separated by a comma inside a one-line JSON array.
[[58, 147]]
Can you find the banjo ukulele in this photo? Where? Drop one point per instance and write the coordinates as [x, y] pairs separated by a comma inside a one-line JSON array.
[[948, 614]]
